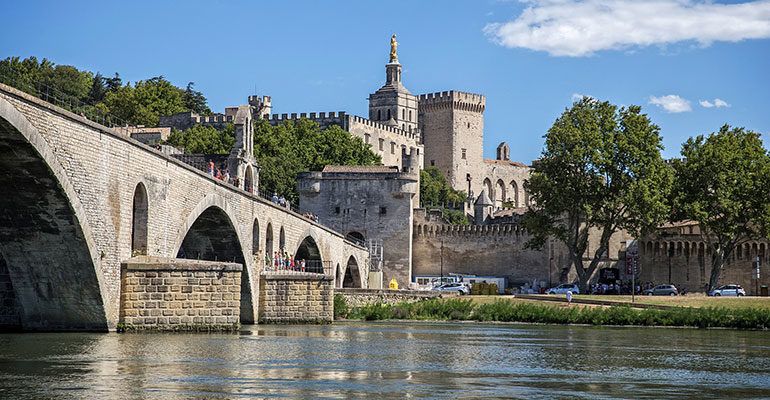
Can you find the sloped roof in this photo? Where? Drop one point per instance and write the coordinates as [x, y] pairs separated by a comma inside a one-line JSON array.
[[483, 199]]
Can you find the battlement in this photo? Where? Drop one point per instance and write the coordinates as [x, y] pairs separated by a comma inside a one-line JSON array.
[[314, 116], [453, 96], [212, 119], [431, 230], [256, 99], [342, 119], [380, 126]]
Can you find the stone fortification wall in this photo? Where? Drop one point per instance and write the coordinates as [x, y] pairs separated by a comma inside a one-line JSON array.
[[186, 120], [177, 294], [684, 260], [296, 298], [484, 250], [387, 141], [362, 297]]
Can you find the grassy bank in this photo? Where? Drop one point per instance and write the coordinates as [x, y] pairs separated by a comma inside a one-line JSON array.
[[505, 310], [691, 300]]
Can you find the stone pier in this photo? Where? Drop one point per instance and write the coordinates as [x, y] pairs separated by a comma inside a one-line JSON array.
[[296, 298]]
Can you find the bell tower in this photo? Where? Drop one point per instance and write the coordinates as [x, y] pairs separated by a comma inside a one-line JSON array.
[[393, 104]]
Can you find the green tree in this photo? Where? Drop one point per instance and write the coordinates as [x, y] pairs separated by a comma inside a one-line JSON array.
[[195, 101], [284, 150], [202, 139], [146, 101], [98, 90], [722, 184], [600, 170], [434, 190], [69, 81]]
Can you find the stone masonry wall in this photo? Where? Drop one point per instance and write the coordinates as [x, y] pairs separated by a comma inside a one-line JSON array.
[[9, 305], [296, 298], [177, 294], [362, 297]]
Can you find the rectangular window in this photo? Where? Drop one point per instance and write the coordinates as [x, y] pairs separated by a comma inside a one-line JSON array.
[[383, 210], [336, 210], [382, 144], [366, 138], [463, 156], [432, 163], [392, 147]]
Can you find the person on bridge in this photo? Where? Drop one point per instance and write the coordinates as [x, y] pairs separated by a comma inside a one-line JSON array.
[[275, 198], [211, 168]]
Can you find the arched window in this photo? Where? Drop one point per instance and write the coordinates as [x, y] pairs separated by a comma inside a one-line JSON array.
[[282, 240], [403, 114], [248, 183], [139, 221], [410, 115], [379, 115], [388, 115]]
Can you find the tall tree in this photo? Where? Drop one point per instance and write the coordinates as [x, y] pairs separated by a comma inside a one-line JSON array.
[[195, 101], [98, 90], [600, 170], [722, 184], [204, 139], [146, 101]]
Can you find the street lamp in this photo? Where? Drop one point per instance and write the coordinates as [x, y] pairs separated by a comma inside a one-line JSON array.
[[441, 261]]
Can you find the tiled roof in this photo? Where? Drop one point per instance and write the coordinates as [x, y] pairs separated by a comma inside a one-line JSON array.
[[358, 168], [504, 162]]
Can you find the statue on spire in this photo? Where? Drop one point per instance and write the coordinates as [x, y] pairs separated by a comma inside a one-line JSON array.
[[393, 46]]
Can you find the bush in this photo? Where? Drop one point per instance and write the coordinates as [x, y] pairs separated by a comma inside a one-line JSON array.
[[340, 307]]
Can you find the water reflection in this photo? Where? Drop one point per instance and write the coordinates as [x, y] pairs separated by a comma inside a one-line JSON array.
[[386, 360]]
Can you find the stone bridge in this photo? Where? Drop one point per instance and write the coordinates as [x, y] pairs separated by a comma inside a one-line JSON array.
[[80, 198]]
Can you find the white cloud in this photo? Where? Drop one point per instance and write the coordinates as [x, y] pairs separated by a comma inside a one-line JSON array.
[[580, 28], [717, 103], [578, 96], [671, 103]]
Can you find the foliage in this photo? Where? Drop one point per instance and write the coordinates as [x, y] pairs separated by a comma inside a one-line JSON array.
[[601, 169], [505, 311], [722, 184], [340, 307], [140, 104], [146, 101], [435, 190], [286, 149], [203, 139], [195, 101]]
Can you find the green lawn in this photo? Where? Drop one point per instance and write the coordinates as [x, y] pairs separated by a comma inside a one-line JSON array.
[[691, 300]]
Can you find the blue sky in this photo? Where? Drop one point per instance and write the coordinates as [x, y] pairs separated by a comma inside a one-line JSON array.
[[692, 65]]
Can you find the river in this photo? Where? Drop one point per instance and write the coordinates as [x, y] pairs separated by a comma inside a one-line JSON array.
[[390, 360]]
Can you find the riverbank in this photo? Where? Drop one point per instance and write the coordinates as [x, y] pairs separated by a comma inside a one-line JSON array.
[[507, 310]]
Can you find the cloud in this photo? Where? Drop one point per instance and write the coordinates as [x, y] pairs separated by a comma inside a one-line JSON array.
[[580, 28], [578, 96], [717, 103], [671, 103]]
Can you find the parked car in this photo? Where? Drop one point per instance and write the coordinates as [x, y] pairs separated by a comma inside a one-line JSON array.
[[728, 290], [662, 290], [563, 289], [453, 287]]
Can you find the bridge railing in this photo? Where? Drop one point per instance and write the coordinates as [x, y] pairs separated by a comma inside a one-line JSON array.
[[275, 198], [11, 77], [309, 267]]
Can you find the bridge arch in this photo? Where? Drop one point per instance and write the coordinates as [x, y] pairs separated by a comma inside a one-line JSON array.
[[46, 242], [269, 239], [255, 239], [210, 234], [352, 278], [139, 221]]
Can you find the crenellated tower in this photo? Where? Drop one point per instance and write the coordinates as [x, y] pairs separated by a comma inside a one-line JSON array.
[[452, 127]]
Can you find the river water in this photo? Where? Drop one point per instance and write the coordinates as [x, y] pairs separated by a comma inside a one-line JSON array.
[[390, 360]]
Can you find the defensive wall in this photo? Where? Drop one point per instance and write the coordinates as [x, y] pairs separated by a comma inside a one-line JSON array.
[[685, 260], [84, 197], [499, 249]]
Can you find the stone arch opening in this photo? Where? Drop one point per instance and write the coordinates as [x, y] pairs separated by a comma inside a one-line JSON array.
[[352, 277], [338, 276], [255, 239], [49, 258], [499, 194], [213, 237], [282, 240], [139, 220], [308, 251], [269, 240], [356, 237], [515, 194], [248, 182]]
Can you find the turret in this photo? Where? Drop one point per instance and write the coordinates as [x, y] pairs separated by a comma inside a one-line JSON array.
[[482, 209]]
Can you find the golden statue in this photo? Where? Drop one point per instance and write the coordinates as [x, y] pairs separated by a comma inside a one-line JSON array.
[[393, 46]]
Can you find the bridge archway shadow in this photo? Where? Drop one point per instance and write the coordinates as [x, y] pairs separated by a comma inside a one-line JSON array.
[[213, 237], [352, 277], [50, 262], [139, 221], [308, 251]]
